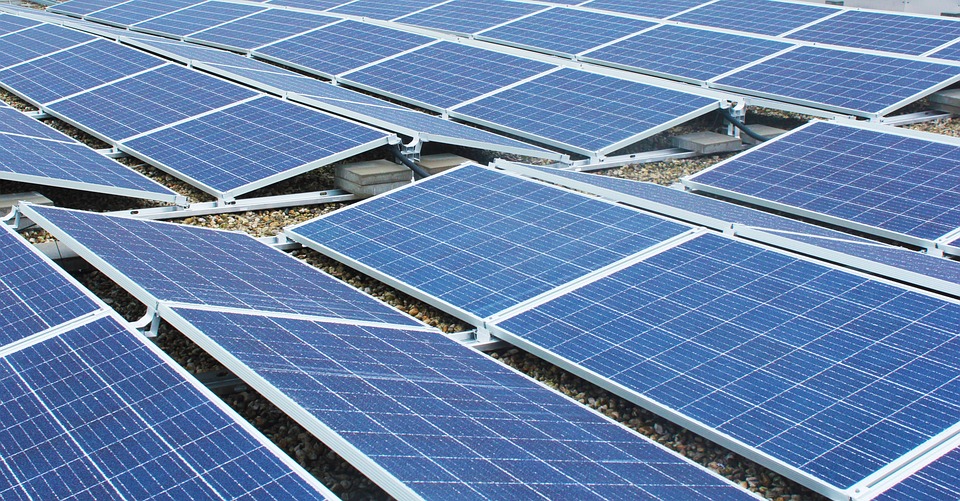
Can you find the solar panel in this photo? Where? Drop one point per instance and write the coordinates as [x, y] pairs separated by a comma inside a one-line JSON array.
[[584, 112], [383, 9], [149, 100], [660, 8], [856, 83], [82, 7], [38, 41], [95, 413], [253, 144], [469, 16], [64, 73], [13, 121], [882, 31], [482, 241], [341, 47], [690, 53], [159, 261], [309, 4], [427, 417], [196, 18], [9, 24], [444, 74], [905, 187], [35, 296], [766, 17], [822, 375], [260, 29], [563, 31], [937, 480], [136, 11], [951, 53]]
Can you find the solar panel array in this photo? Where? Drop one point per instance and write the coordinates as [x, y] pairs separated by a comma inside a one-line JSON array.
[[24, 45], [262, 28], [765, 17], [882, 31], [196, 18], [383, 9], [661, 8], [469, 16], [137, 11]]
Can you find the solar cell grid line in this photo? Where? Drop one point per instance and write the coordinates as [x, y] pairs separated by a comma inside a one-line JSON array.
[[895, 185], [426, 417], [196, 18], [482, 241], [901, 33], [659, 9], [24, 45], [563, 31], [341, 47], [584, 112], [253, 144], [80, 8], [74, 70], [934, 480], [36, 294], [857, 83], [466, 17], [823, 375], [10, 24], [136, 11], [765, 17], [97, 411], [146, 101], [444, 74], [383, 9], [158, 261], [679, 52], [260, 29]]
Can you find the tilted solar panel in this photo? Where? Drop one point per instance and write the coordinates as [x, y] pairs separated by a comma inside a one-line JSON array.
[[444, 74], [951, 53], [38, 41], [13, 121], [308, 4], [766, 17], [822, 375], [9, 24], [136, 11], [660, 8], [261, 28], [172, 262], [469, 16], [891, 32], [426, 416], [196, 18], [82, 7], [937, 480], [383, 9], [480, 241]]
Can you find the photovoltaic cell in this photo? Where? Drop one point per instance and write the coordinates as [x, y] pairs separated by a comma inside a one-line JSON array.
[[136, 11], [766, 17], [15, 122], [9, 24], [937, 480], [341, 47], [483, 241], [834, 374], [887, 181], [196, 18], [564, 31], [660, 8], [94, 412], [951, 53], [82, 7], [68, 72], [685, 52], [446, 421], [469, 16], [37, 41], [149, 100], [383, 9], [882, 31], [308, 4], [173, 262], [262, 28], [256, 141], [860, 83], [34, 295], [584, 112], [445, 74]]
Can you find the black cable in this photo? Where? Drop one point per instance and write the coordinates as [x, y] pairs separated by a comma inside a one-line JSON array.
[[418, 171], [740, 125]]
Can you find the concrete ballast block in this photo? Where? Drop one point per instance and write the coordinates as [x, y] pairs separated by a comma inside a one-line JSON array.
[[763, 130], [372, 178], [707, 142], [946, 100], [9, 200], [440, 162]]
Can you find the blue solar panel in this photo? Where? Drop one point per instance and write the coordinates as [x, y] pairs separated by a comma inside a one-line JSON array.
[[9, 24], [147, 101], [951, 53], [585, 112], [309, 4], [483, 241], [136, 11], [173, 262], [564, 31], [445, 74], [260, 141], [660, 8], [37, 41], [82, 7], [937, 480], [447, 422], [335, 49], [882, 31], [94, 413], [196, 18], [685, 52], [766, 17], [261, 29], [383, 9], [857, 82], [33, 295], [15, 122], [74, 70], [884, 181], [469, 16], [832, 374]]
